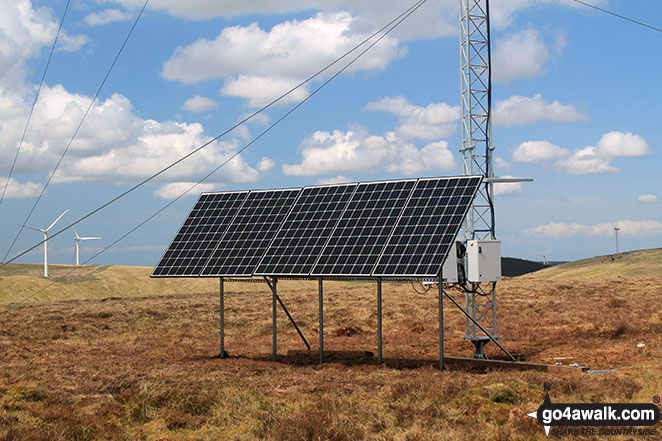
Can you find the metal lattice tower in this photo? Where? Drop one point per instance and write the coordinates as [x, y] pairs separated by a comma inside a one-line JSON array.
[[477, 153]]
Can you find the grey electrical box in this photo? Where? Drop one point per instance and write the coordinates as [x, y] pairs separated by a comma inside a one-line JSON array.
[[449, 270], [483, 260]]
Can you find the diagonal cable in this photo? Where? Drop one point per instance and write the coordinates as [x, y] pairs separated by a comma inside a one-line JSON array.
[[386, 29], [36, 97], [80, 124], [397, 20], [618, 15]]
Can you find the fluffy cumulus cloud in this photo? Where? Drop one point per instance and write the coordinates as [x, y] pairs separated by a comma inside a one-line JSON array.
[[199, 104], [521, 110], [260, 64], [519, 55], [627, 227], [176, 189], [358, 151], [508, 188], [588, 160], [114, 144], [435, 121], [17, 189], [24, 30], [536, 151], [340, 179], [647, 198], [259, 91], [106, 16]]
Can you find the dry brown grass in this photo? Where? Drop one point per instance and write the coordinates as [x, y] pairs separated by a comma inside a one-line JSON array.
[[144, 368]]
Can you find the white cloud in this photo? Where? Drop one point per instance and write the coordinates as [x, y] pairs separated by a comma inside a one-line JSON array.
[[106, 16], [521, 110], [16, 189], [340, 179], [627, 228], [260, 65], [508, 188], [113, 145], [617, 144], [357, 151], [647, 198], [519, 55], [199, 104], [292, 49], [174, 189], [437, 120], [586, 161], [501, 164], [536, 151], [265, 164], [24, 30], [262, 90]]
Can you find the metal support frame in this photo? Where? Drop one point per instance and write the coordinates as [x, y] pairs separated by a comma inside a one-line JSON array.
[[441, 322], [274, 333], [475, 68], [221, 317], [379, 320], [321, 317]]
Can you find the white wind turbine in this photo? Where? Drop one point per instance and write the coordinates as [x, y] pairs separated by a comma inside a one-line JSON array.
[[544, 256], [46, 240], [77, 238]]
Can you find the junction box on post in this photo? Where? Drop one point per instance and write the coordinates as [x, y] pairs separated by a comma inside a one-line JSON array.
[[483, 260]]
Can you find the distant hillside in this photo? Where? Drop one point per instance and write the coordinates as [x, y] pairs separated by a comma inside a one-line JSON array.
[[513, 267], [18, 281], [640, 263]]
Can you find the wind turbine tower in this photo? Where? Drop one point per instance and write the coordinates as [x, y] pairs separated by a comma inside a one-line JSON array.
[[616, 230], [46, 240], [77, 238]]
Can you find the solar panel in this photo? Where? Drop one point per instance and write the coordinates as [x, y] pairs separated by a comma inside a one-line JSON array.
[[363, 229], [242, 246], [428, 227], [199, 234], [297, 244]]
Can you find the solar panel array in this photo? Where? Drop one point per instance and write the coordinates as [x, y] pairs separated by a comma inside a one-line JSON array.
[[402, 228]]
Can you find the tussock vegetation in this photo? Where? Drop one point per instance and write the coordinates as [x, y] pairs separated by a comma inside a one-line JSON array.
[[143, 367]]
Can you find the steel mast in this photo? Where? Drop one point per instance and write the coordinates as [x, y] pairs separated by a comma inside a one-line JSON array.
[[478, 156]]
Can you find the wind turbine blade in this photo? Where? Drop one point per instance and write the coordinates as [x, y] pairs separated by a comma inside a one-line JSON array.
[[76, 233], [73, 256], [55, 221], [88, 238], [36, 229]]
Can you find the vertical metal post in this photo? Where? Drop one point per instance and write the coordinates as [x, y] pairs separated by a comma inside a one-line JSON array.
[[379, 320], [221, 317], [321, 326], [274, 342], [441, 324]]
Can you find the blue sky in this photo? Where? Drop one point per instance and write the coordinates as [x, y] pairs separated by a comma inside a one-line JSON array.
[[575, 107]]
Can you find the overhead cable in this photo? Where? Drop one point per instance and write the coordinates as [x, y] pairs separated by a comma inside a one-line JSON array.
[[36, 97], [618, 15], [386, 29], [105, 78], [392, 24]]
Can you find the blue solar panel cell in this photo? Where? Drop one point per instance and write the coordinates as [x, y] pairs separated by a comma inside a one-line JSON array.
[[241, 248], [428, 227], [366, 224], [299, 241], [197, 237]]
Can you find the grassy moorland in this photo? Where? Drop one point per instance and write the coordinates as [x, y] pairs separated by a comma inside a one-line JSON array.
[[109, 354]]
